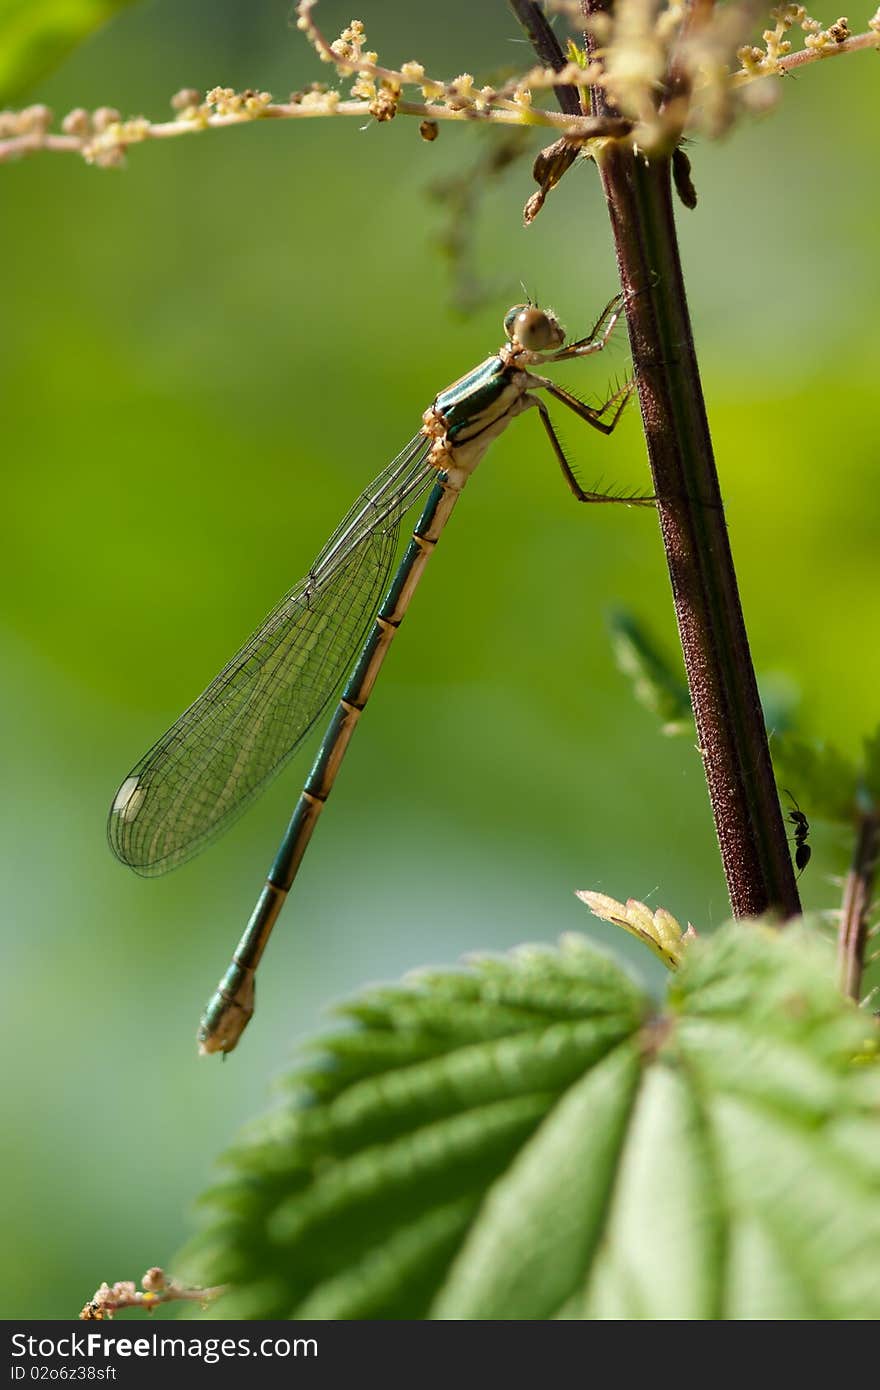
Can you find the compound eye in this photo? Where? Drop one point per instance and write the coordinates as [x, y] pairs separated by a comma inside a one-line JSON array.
[[511, 317], [532, 328]]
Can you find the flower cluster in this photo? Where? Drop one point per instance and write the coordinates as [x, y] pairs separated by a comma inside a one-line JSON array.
[[664, 69], [381, 87], [102, 136], [766, 60], [674, 69]]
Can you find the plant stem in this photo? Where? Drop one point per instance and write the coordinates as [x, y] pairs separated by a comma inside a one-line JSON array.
[[857, 894], [724, 693], [546, 45]]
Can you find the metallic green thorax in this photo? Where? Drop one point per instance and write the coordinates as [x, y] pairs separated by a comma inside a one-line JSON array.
[[477, 399]]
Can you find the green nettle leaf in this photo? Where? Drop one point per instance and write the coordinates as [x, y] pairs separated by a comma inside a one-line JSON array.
[[35, 35], [533, 1139], [657, 684]]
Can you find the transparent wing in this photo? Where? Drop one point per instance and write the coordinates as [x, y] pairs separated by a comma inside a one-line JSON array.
[[239, 733]]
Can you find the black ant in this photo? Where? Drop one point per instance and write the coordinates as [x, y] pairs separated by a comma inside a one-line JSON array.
[[802, 850]]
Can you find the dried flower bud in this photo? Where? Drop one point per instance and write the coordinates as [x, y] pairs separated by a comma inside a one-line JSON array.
[[681, 175], [384, 106], [550, 165], [256, 102]]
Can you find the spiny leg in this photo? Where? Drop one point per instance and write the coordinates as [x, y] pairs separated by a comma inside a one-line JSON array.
[[598, 335], [591, 415]]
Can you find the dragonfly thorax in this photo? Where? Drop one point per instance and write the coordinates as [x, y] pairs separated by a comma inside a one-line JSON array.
[[471, 413]]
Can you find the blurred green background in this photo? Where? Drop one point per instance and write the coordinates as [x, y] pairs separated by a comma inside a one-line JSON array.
[[204, 358]]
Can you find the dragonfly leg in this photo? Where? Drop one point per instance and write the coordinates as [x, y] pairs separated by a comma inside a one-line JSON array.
[[591, 415], [598, 335]]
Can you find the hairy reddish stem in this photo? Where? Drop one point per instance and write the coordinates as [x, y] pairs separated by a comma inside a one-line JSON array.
[[724, 693], [857, 895]]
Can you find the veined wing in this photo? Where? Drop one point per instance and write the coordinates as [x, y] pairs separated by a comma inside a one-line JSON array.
[[241, 731]]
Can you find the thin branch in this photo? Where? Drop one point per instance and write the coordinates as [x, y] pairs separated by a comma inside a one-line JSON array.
[[28, 132], [111, 145], [701, 94], [792, 61], [857, 897], [157, 1288]]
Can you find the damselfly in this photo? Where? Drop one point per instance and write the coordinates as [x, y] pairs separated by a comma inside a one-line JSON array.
[[241, 731]]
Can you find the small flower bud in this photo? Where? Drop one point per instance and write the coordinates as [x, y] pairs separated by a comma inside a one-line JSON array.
[[104, 156], [105, 116], [77, 122], [186, 97], [35, 119], [154, 1280]]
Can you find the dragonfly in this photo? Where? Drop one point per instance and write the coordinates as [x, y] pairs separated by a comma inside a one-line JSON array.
[[224, 749]]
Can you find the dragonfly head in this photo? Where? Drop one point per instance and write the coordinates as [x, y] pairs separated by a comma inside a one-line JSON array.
[[536, 330]]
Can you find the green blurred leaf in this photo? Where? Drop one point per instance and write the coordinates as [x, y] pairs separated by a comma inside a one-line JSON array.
[[820, 778], [529, 1140], [780, 700], [35, 35], [656, 684], [872, 766]]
